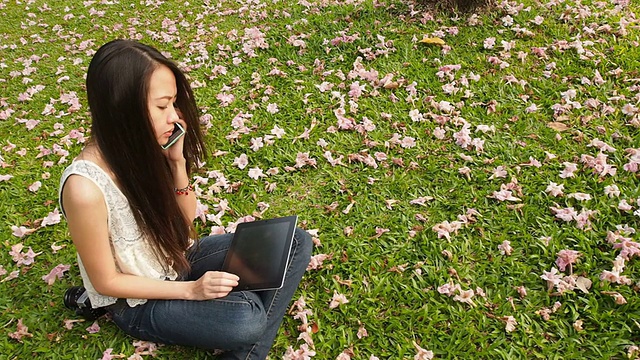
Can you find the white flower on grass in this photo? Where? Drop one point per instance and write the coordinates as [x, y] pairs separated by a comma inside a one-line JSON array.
[[272, 108], [624, 205], [510, 323], [579, 196], [629, 109], [505, 248], [489, 43], [241, 161], [277, 131], [415, 115], [256, 173], [439, 133], [612, 191], [337, 300], [423, 354], [465, 296], [531, 108], [408, 142], [35, 186], [256, 143]]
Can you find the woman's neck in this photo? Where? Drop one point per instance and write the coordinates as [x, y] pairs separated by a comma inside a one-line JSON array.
[[91, 152]]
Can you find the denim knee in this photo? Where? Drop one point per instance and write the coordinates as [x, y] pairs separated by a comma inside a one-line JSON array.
[[304, 241], [246, 331]]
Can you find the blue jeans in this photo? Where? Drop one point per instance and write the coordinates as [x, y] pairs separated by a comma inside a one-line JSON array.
[[243, 323]]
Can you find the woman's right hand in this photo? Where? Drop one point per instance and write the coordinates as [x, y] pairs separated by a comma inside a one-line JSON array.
[[213, 285]]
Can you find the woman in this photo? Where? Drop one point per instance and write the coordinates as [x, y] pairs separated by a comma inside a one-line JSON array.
[[129, 208]]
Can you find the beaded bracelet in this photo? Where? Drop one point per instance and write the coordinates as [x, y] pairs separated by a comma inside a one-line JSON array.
[[183, 191]]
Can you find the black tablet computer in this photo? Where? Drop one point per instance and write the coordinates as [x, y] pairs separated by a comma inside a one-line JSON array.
[[259, 253]]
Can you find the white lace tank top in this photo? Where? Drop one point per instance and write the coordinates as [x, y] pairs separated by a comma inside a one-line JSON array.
[[131, 251]]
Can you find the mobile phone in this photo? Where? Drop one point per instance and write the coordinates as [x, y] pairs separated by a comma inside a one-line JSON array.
[[178, 132]]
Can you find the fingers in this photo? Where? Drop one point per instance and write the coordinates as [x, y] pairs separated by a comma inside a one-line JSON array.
[[217, 284]]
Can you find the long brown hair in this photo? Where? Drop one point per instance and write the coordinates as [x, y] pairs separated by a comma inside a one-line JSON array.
[[117, 90]]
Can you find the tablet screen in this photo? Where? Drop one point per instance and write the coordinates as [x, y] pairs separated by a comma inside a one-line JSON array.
[[259, 253]]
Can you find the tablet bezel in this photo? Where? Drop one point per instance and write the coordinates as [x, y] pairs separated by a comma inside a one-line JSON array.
[[278, 281]]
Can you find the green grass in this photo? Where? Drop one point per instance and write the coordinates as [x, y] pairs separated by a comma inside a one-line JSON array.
[[394, 276]]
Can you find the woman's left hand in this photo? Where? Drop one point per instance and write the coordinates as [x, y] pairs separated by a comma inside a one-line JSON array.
[[175, 152]]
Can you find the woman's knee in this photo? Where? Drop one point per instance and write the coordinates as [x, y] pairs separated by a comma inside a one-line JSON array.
[[304, 241], [247, 332]]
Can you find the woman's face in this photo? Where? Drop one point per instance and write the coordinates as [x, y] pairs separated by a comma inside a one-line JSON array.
[[161, 98]]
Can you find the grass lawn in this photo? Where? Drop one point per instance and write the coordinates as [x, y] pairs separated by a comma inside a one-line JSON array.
[[472, 199]]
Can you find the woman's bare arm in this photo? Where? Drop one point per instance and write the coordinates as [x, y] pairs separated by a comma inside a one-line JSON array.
[[86, 215]]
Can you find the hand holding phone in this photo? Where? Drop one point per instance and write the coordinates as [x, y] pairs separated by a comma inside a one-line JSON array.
[[178, 132]]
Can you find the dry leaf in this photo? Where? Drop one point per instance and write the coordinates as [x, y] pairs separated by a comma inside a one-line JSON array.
[[558, 126], [391, 85], [342, 282], [583, 284], [432, 41]]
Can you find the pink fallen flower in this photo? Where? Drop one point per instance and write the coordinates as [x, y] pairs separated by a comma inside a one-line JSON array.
[[421, 200], [522, 291], [55, 273], [579, 196], [68, 323], [106, 355], [498, 172], [94, 328], [624, 205], [510, 323], [583, 219], [569, 170], [35, 186], [256, 173], [337, 300], [552, 277], [618, 298], [628, 248], [316, 261], [566, 258], [21, 332], [423, 354], [566, 214], [225, 99], [505, 248], [52, 218], [612, 191], [303, 158], [217, 230], [304, 353], [380, 231], [554, 189], [145, 347], [16, 252], [11, 276], [21, 231], [23, 258], [448, 289], [362, 332], [503, 195], [445, 228], [241, 161], [465, 296]]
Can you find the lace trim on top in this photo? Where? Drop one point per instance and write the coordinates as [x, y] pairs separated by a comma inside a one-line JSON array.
[[131, 250]]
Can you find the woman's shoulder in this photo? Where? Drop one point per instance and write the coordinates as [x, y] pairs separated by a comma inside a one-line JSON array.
[[81, 191]]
